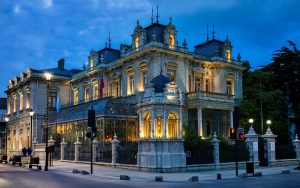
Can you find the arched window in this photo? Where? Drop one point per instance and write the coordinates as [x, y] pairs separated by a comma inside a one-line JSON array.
[[137, 42], [172, 125], [147, 126], [228, 53], [158, 128], [171, 41]]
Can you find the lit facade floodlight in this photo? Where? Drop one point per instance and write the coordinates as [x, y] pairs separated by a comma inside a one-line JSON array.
[[269, 122], [48, 75], [251, 121], [31, 112]]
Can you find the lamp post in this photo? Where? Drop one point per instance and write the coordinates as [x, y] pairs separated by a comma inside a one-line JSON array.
[[269, 122], [6, 120], [251, 121], [31, 113], [48, 77]]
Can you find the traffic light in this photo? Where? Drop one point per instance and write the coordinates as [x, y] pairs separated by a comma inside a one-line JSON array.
[[232, 133], [241, 135]]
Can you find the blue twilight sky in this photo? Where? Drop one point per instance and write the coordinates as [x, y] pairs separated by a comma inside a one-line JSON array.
[[36, 33]]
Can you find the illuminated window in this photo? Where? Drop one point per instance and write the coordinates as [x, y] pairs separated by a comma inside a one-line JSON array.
[[91, 63], [15, 104], [75, 96], [158, 128], [172, 75], [198, 83], [131, 84], [28, 101], [95, 91], [86, 94], [147, 126], [144, 80], [171, 41], [207, 88], [172, 125], [230, 88], [115, 88], [21, 101], [137, 42], [228, 53]]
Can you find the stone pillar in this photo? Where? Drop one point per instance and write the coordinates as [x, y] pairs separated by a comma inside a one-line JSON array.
[[215, 142], [95, 146], [252, 144], [296, 143], [200, 126], [63, 146], [269, 138], [164, 124], [51, 142], [34, 143], [231, 118], [77, 149], [114, 149], [152, 125]]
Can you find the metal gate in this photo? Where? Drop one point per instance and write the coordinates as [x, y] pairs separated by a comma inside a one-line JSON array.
[[262, 152]]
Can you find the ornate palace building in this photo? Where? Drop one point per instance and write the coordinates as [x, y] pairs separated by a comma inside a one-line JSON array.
[[151, 88]]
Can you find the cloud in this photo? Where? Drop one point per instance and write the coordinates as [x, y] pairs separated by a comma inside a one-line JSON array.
[[16, 9], [47, 4]]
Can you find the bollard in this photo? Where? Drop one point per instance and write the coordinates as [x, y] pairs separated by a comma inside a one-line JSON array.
[[219, 176]]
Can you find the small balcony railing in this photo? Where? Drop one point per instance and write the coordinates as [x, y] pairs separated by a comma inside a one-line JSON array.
[[203, 95]]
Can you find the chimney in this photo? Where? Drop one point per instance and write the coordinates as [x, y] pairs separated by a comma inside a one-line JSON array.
[[61, 64]]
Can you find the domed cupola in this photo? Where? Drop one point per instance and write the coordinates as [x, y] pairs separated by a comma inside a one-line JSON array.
[[159, 83]]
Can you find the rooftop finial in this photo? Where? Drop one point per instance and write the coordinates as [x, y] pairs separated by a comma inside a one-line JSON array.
[[207, 36], [109, 41], [157, 16], [152, 16], [213, 32]]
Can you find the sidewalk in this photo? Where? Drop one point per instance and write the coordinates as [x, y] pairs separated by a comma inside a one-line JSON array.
[[110, 173]]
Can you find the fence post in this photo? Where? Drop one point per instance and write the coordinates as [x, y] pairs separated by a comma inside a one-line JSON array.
[[77, 148], [269, 138], [215, 142], [51, 142], [114, 153], [63, 146], [95, 146], [252, 145], [296, 143]]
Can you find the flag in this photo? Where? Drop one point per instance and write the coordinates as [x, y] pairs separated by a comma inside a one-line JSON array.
[[101, 85]]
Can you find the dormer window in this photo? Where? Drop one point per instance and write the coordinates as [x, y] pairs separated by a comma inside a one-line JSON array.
[[137, 42], [171, 41], [228, 54]]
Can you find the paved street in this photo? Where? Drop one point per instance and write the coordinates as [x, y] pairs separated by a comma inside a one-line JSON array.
[[61, 176]]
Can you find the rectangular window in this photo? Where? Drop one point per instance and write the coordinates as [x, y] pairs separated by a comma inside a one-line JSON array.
[[207, 88], [229, 85], [75, 93], [198, 83], [52, 100], [86, 94], [172, 75], [15, 104], [21, 101], [8, 106], [144, 80], [28, 101], [131, 84], [95, 91]]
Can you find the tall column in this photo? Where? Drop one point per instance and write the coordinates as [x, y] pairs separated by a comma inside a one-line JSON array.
[[180, 124], [63, 146], [252, 144], [152, 124], [114, 149], [269, 138], [200, 126], [296, 143], [95, 146], [215, 142], [231, 118], [141, 130], [165, 124], [77, 149]]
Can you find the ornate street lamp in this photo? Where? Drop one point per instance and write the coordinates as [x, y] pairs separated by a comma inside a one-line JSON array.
[[48, 77], [251, 121], [31, 113], [269, 122]]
